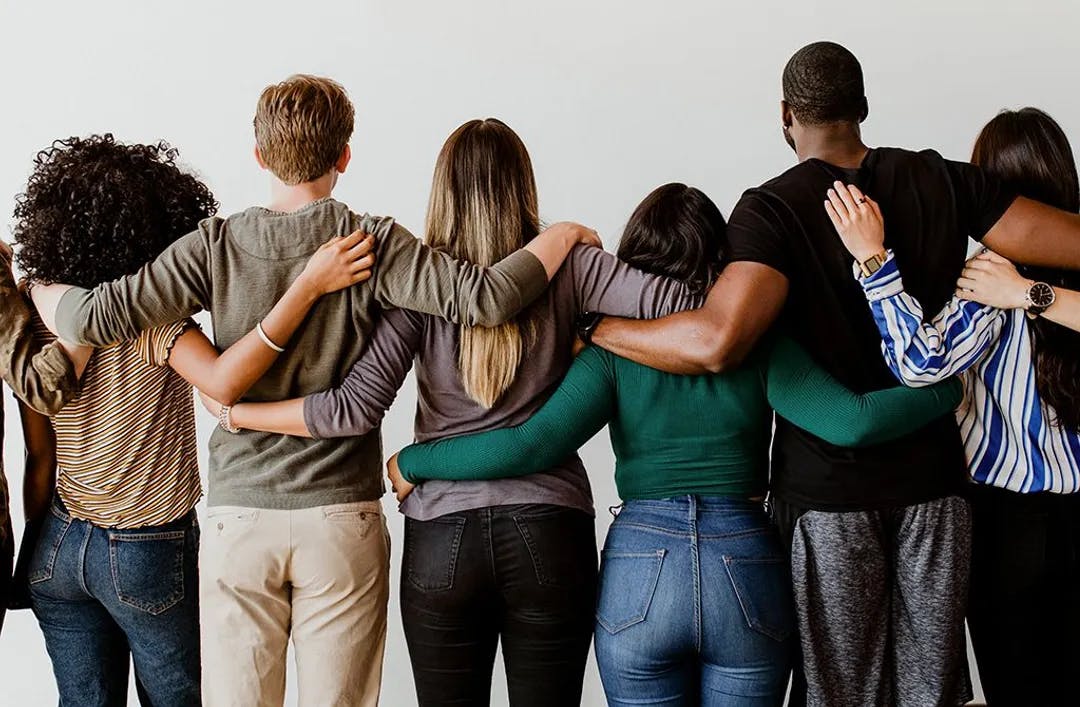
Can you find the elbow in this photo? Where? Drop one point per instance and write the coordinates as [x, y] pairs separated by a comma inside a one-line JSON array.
[[716, 351], [221, 392]]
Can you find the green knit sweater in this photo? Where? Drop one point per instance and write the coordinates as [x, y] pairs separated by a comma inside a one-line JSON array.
[[679, 435]]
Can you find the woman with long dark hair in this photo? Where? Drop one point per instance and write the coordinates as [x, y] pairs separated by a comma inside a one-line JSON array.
[[695, 591], [1012, 334]]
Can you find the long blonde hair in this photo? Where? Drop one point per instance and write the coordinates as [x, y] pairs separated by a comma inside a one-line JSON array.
[[484, 207]]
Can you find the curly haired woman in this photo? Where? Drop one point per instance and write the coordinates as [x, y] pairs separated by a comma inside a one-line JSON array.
[[113, 575]]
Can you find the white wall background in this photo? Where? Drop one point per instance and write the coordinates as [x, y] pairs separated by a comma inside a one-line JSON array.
[[612, 97]]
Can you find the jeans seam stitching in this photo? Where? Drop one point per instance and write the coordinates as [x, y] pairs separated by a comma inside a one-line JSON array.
[[53, 553]]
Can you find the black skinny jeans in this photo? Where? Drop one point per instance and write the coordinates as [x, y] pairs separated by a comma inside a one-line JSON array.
[[523, 574], [1024, 606]]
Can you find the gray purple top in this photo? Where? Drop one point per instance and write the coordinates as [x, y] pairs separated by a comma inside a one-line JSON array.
[[591, 280]]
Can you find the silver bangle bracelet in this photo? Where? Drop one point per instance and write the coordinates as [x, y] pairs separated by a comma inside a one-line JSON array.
[[266, 339], [225, 420]]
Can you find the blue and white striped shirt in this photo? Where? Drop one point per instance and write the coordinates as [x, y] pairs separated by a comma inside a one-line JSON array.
[[1009, 438]]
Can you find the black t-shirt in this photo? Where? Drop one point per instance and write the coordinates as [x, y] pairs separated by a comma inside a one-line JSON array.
[[930, 205]]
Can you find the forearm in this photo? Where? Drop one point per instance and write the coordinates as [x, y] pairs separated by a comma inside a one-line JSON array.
[[39, 482], [416, 277], [284, 417], [1036, 234], [687, 343], [920, 352], [172, 287], [39, 479], [43, 377], [552, 247], [741, 306], [499, 454], [806, 395], [579, 408], [241, 365], [1065, 310]]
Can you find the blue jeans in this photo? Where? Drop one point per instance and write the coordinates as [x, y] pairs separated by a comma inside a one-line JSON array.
[[694, 606], [105, 596]]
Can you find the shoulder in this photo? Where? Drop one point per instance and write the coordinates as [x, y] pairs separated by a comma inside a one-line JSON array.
[[585, 262], [379, 226]]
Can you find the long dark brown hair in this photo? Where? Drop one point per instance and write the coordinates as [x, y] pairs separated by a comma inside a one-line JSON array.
[[1030, 153]]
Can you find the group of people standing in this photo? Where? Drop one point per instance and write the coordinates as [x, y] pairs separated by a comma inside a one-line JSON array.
[[836, 437]]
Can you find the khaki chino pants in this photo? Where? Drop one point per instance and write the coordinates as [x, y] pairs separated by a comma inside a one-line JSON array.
[[321, 574]]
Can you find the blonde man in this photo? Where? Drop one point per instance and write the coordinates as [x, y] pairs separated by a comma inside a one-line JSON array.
[[296, 544]]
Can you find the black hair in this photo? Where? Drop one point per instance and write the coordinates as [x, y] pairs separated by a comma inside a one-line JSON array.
[[95, 209], [1031, 155], [678, 232], [823, 83]]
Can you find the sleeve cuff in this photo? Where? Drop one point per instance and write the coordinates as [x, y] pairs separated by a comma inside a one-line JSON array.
[[404, 462], [528, 273], [311, 416], [67, 315], [884, 283]]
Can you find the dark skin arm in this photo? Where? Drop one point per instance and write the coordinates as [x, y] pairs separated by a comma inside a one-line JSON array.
[[1036, 234], [742, 305], [40, 477]]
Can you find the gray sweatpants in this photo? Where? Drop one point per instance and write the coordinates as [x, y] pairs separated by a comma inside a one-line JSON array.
[[881, 597]]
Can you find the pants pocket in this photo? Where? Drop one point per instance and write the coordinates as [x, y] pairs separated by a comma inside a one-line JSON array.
[[627, 584], [763, 589], [48, 546], [360, 517], [431, 552], [148, 568], [561, 544]]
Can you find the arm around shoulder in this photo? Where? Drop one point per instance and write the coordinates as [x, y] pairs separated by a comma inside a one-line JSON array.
[[173, 286], [742, 305], [413, 276]]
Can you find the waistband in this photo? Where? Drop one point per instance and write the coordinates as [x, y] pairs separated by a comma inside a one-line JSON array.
[[188, 519], [684, 504]]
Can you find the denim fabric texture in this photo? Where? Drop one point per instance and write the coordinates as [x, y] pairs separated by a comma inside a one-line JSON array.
[[522, 575], [694, 605], [104, 596]]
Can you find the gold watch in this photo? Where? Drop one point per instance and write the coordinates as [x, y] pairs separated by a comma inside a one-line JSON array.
[[874, 263]]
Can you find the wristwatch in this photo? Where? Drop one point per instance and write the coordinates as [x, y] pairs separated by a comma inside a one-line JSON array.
[[1039, 298], [586, 325], [874, 263]]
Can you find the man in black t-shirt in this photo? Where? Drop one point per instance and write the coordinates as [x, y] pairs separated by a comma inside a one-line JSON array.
[[880, 537]]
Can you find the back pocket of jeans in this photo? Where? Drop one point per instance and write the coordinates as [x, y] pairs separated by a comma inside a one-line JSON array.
[[561, 543], [148, 569], [48, 546], [763, 589], [627, 584], [431, 552]]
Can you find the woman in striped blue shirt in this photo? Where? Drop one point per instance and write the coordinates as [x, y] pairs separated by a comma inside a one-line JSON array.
[[1019, 419]]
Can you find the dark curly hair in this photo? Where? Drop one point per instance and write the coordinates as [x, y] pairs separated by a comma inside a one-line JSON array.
[[95, 209]]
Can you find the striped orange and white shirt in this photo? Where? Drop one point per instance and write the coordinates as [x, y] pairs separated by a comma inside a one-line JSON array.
[[125, 445]]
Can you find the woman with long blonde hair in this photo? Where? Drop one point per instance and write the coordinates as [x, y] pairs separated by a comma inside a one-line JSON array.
[[510, 560]]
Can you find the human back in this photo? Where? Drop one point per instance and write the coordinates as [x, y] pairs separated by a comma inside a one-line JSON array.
[[931, 206], [471, 380]]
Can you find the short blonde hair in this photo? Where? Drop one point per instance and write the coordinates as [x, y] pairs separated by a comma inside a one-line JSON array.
[[302, 125]]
